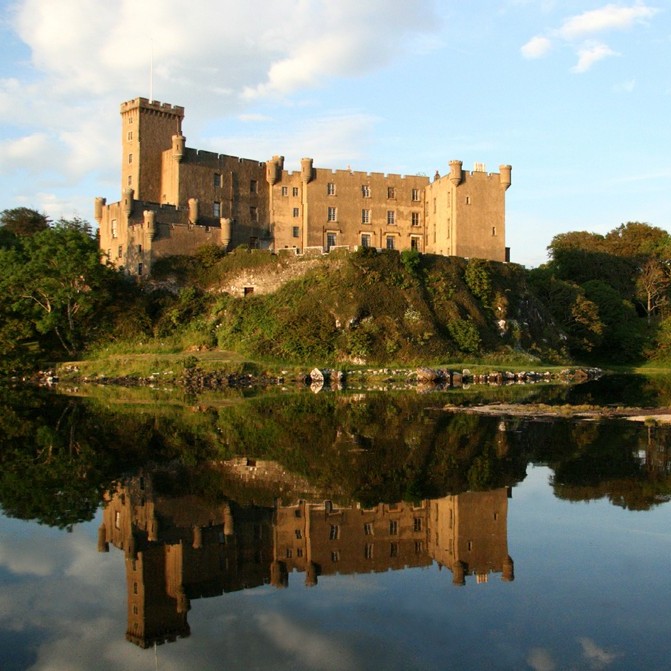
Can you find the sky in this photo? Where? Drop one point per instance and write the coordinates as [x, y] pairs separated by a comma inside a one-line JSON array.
[[575, 95]]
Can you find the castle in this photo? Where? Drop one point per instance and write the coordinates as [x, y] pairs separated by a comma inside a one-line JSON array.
[[175, 199]]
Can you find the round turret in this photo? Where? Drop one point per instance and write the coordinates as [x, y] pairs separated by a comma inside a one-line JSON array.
[[274, 169], [193, 210], [98, 208], [103, 545], [456, 173], [306, 170], [508, 569], [228, 520], [149, 217], [458, 573], [127, 200], [311, 573], [225, 224], [178, 144], [279, 576], [504, 176]]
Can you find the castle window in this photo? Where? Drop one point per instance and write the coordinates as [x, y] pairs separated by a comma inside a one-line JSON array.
[[253, 186], [113, 228], [365, 240], [391, 217], [117, 519], [299, 534], [130, 135], [493, 230], [391, 192], [368, 528], [119, 252], [332, 214], [417, 524], [216, 209], [365, 190], [285, 190], [415, 218], [415, 195], [299, 552], [368, 551], [470, 545], [139, 269], [296, 212], [414, 243], [393, 549], [330, 241], [334, 533], [294, 191], [288, 553], [365, 216], [217, 180], [254, 213], [434, 205], [134, 588], [393, 528], [295, 231], [419, 547], [130, 158], [130, 180], [468, 200], [335, 556], [390, 242], [135, 610], [331, 189]]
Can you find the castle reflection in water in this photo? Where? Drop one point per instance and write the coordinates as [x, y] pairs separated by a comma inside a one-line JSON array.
[[181, 548]]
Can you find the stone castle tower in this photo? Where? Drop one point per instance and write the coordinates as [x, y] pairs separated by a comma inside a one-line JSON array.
[[175, 199]]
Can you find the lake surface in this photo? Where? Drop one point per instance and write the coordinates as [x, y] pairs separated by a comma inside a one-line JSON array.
[[338, 531]]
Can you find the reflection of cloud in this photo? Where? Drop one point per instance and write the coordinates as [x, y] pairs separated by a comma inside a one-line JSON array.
[[597, 657], [540, 659], [17, 557], [313, 650]]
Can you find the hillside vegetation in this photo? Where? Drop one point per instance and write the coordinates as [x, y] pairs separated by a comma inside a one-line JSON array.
[[600, 299], [383, 307]]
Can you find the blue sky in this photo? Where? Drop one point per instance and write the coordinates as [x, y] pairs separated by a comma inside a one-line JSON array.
[[576, 95]]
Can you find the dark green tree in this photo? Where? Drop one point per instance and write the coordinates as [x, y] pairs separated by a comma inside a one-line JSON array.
[[23, 221]]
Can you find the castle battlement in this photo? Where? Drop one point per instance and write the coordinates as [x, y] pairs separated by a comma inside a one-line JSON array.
[[155, 105], [193, 193]]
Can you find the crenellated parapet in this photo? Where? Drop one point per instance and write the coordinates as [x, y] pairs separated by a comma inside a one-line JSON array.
[[153, 106]]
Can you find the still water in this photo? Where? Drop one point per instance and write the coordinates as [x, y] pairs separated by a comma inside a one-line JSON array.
[[334, 532]]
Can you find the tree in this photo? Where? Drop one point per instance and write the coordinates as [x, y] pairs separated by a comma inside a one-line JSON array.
[[54, 283], [23, 221], [653, 284]]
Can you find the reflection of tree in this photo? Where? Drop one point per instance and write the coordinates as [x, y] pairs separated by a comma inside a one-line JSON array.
[[59, 455], [624, 462]]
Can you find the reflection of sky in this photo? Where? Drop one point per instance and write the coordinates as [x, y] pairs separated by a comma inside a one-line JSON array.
[[591, 592]]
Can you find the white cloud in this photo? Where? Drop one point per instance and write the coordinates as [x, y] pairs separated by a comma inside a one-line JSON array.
[[536, 47], [60, 115], [591, 54], [576, 32], [610, 17]]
